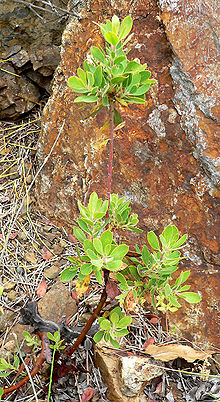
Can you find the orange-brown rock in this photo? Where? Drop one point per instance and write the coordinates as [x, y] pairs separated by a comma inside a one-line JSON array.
[[165, 157]]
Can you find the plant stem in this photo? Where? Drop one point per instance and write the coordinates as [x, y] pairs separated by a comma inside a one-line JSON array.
[[109, 180], [51, 375], [69, 351]]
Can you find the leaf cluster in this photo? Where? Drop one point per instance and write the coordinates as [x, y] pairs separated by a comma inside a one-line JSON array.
[[113, 327], [7, 368], [31, 340], [153, 271], [109, 75], [58, 342], [100, 250]]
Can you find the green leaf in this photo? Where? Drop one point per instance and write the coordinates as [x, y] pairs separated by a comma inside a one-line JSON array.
[[98, 54], [111, 38], [118, 80], [124, 322], [114, 318], [106, 336], [180, 242], [153, 240], [134, 66], [105, 101], [122, 279], [82, 75], [86, 269], [117, 117], [83, 225], [78, 233], [190, 297], [68, 274], [114, 265], [184, 288], [98, 275], [115, 24], [141, 90], [98, 76], [170, 234], [114, 343], [182, 278], [90, 79], [98, 246], [86, 99], [125, 27], [173, 300], [119, 59], [122, 332], [120, 251], [93, 200], [76, 83], [167, 290], [145, 255], [144, 76], [106, 238], [137, 100], [98, 336], [105, 325]]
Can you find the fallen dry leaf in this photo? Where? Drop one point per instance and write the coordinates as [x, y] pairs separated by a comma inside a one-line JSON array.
[[87, 395], [12, 236], [149, 341], [172, 351], [30, 257], [46, 254], [42, 288], [72, 239], [112, 290]]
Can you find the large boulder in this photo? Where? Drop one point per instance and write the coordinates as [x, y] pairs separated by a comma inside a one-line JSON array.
[[165, 157]]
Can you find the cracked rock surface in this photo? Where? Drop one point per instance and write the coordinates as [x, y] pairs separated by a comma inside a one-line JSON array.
[[166, 155]]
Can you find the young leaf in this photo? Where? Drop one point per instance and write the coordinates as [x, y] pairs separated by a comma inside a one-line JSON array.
[[78, 233], [145, 255], [98, 54], [111, 38], [98, 246], [114, 343], [115, 24], [98, 336], [114, 317], [86, 269], [98, 76], [68, 274], [153, 240], [76, 83], [190, 297], [124, 322], [114, 265], [122, 279], [82, 75], [105, 325], [121, 333], [126, 27], [86, 99], [106, 238], [120, 251]]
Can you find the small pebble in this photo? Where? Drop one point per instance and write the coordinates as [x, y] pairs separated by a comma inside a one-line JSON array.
[[52, 272]]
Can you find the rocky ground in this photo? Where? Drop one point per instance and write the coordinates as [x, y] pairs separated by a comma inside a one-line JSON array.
[[33, 254]]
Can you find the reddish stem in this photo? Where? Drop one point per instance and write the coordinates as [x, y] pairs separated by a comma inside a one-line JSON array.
[[167, 328], [111, 121], [69, 351]]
